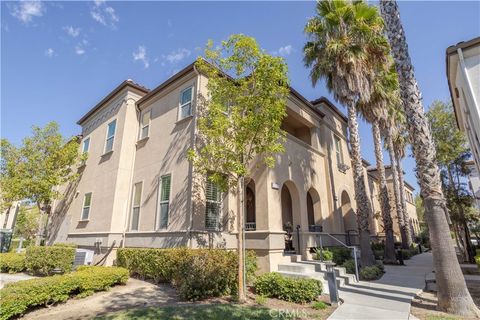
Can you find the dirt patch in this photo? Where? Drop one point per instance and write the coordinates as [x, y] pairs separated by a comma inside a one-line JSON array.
[[424, 305]]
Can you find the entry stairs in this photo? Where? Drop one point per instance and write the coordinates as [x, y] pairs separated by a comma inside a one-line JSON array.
[[314, 269]]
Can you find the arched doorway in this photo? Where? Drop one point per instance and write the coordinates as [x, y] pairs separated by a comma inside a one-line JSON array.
[[290, 214], [314, 214], [349, 217], [287, 208], [250, 221]]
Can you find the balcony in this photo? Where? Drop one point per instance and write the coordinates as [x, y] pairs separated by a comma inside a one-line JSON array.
[[250, 226]]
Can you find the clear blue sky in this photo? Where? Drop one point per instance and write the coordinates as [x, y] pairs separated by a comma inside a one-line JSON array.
[[58, 59]]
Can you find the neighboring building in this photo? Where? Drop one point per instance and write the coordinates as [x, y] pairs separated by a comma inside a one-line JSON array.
[[474, 181], [9, 216], [137, 188], [410, 204], [463, 73]]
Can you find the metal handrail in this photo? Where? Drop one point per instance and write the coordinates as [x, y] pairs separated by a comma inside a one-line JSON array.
[[319, 234]]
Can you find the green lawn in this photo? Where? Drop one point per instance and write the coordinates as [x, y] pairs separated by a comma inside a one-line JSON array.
[[207, 312]]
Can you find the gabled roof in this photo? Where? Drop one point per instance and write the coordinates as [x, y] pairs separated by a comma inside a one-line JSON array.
[[331, 105], [124, 84]]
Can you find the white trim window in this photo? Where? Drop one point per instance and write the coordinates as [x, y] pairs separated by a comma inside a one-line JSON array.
[[136, 203], [338, 150], [164, 201], [86, 145], [186, 97], [110, 136], [213, 206], [87, 203], [145, 125]]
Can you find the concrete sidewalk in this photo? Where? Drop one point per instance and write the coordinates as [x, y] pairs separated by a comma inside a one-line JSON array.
[[389, 297]]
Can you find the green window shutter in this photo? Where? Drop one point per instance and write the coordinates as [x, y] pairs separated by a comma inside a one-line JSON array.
[[212, 206], [164, 203]]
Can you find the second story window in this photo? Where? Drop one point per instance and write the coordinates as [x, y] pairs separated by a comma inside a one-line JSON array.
[[87, 201], [338, 151], [137, 199], [86, 145], [213, 206], [186, 103], [145, 125], [164, 201], [110, 136]]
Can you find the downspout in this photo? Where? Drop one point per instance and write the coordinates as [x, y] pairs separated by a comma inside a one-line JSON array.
[[190, 165], [125, 222]]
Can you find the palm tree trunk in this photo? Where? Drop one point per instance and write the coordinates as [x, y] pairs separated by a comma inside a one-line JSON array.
[[361, 198], [453, 295], [383, 196], [396, 189], [406, 218]]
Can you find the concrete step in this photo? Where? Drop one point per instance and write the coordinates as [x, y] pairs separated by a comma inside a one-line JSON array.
[[340, 272], [313, 269]]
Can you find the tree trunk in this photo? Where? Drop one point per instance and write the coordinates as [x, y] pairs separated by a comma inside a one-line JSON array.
[[406, 218], [240, 226], [453, 295], [458, 241], [383, 196], [42, 221], [361, 198], [396, 190]]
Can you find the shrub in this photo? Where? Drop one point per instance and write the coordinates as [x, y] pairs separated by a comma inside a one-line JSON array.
[[65, 244], [261, 300], [370, 273], [340, 255], [196, 273], [377, 246], [349, 266], [12, 262], [378, 254], [274, 285], [43, 260], [20, 296], [324, 255], [319, 305], [406, 253], [477, 260]]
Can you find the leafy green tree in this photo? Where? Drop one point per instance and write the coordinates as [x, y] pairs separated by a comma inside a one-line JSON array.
[[37, 168], [26, 224], [346, 47], [239, 122]]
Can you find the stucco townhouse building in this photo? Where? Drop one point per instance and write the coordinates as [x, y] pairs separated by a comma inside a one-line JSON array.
[[138, 189]]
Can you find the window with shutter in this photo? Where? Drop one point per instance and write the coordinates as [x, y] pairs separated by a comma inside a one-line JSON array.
[[213, 206], [164, 201], [137, 199]]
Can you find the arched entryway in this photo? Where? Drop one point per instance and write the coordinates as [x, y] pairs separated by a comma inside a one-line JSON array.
[[290, 213], [349, 217], [314, 214], [250, 203]]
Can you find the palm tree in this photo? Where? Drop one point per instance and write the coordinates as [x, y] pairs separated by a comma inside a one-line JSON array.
[[453, 295], [400, 142], [345, 47], [375, 112]]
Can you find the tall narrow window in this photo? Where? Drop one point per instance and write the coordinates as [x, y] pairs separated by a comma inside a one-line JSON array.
[[137, 198], [164, 201], [145, 127], [186, 103], [87, 202], [213, 206], [338, 150], [110, 136], [86, 145]]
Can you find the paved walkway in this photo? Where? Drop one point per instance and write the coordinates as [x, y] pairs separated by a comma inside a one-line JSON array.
[[389, 297], [8, 278]]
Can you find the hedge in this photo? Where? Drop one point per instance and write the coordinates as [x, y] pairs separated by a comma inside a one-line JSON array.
[[12, 262], [43, 260], [371, 273], [275, 285], [18, 297], [196, 273]]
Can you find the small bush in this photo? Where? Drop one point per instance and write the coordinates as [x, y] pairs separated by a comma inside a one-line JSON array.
[[196, 273], [340, 254], [378, 254], [324, 255], [406, 254], [319, 305], [477, 260], [12, 262], [349, 266], [274, 285], [370, 273], [18, 297], [261, 300], [43, 260], [377, 246], [65, 244]]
